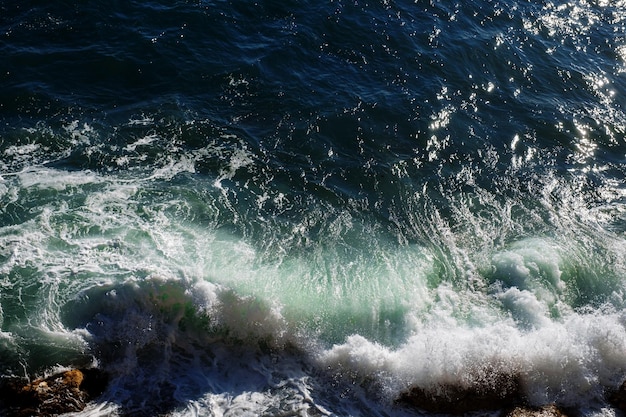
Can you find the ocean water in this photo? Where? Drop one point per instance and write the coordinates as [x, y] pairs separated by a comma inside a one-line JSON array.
[[242, 208]]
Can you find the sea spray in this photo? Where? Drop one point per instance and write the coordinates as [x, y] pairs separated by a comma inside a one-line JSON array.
[[315, 208]]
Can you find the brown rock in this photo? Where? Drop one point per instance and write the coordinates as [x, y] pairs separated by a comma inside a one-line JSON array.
[[57, 394], [73, 378], [545, 411]]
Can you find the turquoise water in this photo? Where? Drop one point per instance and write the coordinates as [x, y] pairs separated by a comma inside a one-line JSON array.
[[306, 208]]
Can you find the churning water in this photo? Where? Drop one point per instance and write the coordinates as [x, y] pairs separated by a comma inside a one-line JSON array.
[[308, 207]]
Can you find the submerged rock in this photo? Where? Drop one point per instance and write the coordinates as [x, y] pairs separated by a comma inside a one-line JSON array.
[[66, 392], [498, 392]]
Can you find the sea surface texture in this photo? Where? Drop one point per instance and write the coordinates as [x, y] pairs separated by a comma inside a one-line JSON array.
[[283, 207]]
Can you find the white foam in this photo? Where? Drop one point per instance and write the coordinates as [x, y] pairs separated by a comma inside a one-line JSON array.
[[43, 178], [568, 361], [143, 141], [525, 307], [80, 134], [98, 409], [530, 264], [240, 158], [15, 150], [145, 274]]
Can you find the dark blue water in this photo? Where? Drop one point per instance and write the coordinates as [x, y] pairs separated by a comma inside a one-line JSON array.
[[250, 208]]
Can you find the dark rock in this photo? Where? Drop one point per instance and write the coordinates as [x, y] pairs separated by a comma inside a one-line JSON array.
[[94, 383], [545, 411], [618, 398], [493, 392], [66, 392]]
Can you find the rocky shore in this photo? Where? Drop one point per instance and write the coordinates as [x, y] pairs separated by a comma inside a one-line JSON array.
[[498, 393], [71, 390], [65, 392]]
